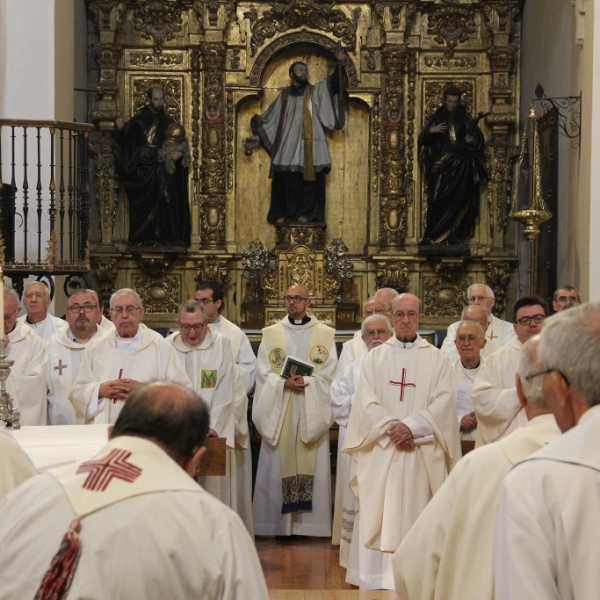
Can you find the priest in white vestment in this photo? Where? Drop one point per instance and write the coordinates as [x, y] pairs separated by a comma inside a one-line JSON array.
[[26, 382], [143, 530], [64, 353], [470, 341], [15, 465], [292, 494], [208, 361], [498, 331], [356, 347], [476, 314], [244, 362], [36, 302], [117, 363], [403, 437], [548, 519], [447, 554], [376, 329], [497, 406]]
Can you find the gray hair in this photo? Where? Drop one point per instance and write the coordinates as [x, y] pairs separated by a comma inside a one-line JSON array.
[[489, 293], [30, 283], [529, 362], [570, 343], [192, 306], [12, 294], [371, 318], [133, 293], [465, 322]]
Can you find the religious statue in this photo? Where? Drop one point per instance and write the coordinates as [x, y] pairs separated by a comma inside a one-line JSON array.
[[451, 151], [301, 112], [152, 157]]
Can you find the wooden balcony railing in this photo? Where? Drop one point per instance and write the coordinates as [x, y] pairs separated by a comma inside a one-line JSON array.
[[44, 197]]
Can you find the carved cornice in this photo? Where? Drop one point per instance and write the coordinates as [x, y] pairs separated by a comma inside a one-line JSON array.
[[157, 20], [450, 26], [318, 15], [502, 58], [212, 268], [501, 15], [393, 274]]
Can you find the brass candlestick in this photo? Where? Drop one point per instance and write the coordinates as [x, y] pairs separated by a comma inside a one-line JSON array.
[[8, 414]]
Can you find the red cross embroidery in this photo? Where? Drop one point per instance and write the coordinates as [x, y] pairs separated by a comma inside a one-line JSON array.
[[403, 384], [60, 367], [102, 471]]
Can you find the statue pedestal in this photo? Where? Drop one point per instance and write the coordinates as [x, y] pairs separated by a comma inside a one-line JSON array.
[[311, 235]]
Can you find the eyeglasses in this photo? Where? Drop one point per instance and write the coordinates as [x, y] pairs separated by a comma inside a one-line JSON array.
[[545, 372], [118, 310], [86, 308], [472, 299], [375, 311], [294, 298], [527, 320], [461, 339], [188, 328], [411, 314], [206, 300]]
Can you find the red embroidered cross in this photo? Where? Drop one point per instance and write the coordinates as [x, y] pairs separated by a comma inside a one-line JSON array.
[[60, 367], [403, 384], [102, 471]]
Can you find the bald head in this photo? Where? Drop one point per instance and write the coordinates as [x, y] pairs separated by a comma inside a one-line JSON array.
[[297, 301], [477, 314], [406, 316], [375, 306], [387, 295], [167, 414]]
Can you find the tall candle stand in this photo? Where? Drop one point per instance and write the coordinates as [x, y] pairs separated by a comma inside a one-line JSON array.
[[8, 414]]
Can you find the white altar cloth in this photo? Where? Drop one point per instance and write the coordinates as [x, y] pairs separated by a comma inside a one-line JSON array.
[[53, 445]]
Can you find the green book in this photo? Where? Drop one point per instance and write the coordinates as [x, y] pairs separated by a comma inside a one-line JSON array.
[[294, 366]]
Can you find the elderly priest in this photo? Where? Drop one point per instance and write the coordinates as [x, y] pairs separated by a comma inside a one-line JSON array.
[[131, 523]]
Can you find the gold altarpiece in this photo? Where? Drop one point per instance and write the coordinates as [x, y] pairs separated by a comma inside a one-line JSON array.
[[221, 62]]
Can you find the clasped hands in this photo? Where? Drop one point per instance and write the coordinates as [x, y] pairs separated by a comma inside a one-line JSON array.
[[295, 383], [117, 389], [401, 436]]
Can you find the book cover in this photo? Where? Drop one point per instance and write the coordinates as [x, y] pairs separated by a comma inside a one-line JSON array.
[[295, 366]]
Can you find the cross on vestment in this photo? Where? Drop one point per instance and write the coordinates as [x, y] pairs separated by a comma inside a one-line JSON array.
[[102, 471], [403, 384], [492, 336], [60, 367]]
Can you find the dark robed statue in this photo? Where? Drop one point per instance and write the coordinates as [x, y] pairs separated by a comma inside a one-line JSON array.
[[152, 157], [292, 130], [451, 152]]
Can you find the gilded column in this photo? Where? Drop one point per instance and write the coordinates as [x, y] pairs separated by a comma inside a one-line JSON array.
[[392, 228], [213, 172]]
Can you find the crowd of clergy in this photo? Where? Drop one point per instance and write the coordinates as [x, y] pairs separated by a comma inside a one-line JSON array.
[[453, 479]]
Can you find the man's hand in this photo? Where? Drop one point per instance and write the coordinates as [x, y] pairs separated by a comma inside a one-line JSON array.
[[117, 389], [439, 128], [295, 383], [401, 436], [468, 422], [212, 433], [119, 123]]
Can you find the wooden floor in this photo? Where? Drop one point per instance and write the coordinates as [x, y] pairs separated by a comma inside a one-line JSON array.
[[308, 569]]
